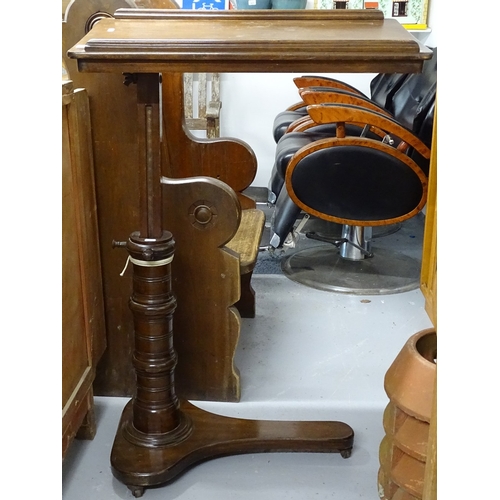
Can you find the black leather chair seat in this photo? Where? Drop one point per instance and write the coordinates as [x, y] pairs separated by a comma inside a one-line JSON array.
[[357, 183], [290, 143]]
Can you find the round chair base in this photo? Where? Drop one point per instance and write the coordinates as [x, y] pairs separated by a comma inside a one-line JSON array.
[[321, 267]]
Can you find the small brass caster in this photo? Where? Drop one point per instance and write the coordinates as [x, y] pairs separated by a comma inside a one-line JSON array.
[[137, 491]]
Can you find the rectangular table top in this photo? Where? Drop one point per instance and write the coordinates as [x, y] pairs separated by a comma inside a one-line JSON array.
[[159, 41]]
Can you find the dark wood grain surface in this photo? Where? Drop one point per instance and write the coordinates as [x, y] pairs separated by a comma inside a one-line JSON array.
[[145, 41]]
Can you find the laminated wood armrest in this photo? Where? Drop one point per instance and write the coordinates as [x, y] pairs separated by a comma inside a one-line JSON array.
[[296, 106], [344, 113], [312, 96], [323, 81], [315, 95], [306, 122]]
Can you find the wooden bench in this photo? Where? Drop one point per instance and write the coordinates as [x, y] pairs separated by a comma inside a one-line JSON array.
[[215, 242], [114, 133], [206, 329]]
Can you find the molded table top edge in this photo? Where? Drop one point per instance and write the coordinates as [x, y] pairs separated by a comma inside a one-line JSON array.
[[274, 14], [254, 43]]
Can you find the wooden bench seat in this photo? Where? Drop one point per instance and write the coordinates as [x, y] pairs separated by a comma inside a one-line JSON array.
[[246, 244]]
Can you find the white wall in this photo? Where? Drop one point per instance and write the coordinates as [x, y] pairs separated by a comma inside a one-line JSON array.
[[250, 103]]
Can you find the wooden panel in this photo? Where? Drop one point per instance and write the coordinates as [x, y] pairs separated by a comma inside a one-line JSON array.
[[204, 213], [430, 476], [77, 357], [83, 332], [428, 283], [183, 155], [429, 289]]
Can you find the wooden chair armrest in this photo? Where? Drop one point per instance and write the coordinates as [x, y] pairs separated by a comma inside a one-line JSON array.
[[306, 122], [299, 122], [323, 81], [296, 106], [312, 96], [345, 113]]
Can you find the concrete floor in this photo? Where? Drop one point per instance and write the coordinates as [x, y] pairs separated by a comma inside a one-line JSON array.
[[308, 355]]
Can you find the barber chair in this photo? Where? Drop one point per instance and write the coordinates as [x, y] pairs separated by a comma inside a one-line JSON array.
[[294, 139], [383, 89], [298, 110], [360, 182]]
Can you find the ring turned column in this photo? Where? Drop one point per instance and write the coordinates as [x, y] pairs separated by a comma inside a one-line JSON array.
[[157, 419]]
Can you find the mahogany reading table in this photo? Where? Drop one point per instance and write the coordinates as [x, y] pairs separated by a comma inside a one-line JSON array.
[[160, 436]]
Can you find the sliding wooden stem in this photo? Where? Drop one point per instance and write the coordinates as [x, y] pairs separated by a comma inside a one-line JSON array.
[[157, 419], [148, 114]]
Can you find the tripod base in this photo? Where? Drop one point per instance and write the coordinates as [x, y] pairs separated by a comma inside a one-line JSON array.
[[214, 436]]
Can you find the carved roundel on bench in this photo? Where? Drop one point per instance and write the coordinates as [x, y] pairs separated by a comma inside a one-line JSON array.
[[202, 214]]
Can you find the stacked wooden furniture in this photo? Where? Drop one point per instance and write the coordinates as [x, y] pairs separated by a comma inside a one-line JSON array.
[[83, 329], [160, 435], [116, 159]]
